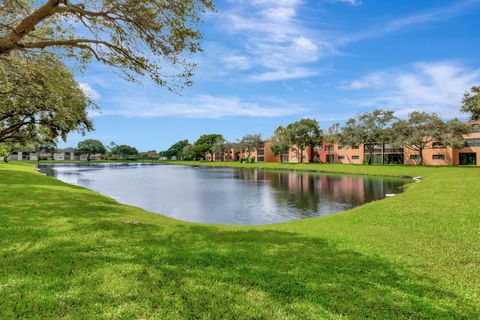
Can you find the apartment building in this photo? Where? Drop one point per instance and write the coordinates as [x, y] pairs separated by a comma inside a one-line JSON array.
[[434, 154], [59, 155], [228, 155], [438, 155]]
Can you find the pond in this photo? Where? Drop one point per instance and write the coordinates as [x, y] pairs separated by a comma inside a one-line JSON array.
[[231, 196]]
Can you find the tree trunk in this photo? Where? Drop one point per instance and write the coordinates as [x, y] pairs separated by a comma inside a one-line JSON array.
[[421, 156], [383, 154], [301, 155], [88, 157], [370, 155]]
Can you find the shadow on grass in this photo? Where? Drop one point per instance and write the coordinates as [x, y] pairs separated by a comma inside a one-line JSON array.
[[76, 255], [206, 272]]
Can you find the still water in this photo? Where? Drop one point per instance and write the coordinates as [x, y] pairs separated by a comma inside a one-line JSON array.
[[229, 196]]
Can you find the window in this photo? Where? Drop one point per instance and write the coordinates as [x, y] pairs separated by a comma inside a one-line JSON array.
[[438, 157], [329, 148], [355, 148], [438, 145], [415, 157], [341, 157], [355, 157], [472, 143]]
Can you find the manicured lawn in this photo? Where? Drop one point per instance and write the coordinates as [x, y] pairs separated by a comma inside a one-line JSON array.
[[67, 252]]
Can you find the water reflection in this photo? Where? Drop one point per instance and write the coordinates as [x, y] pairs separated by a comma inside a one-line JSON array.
[[227, 195]]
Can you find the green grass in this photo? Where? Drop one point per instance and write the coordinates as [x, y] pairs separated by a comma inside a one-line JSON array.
[[67, 252]]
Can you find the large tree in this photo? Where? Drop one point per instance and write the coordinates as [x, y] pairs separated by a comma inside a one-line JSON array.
[[302, 134], [90, 147], [332, 136], [175, 150], [124, 151], [204, 145], [46, 147], [421, 130], [219, 147], [369, 128], [40, 100], [250, 143], [280, 143], [471, 103], [154, 37]]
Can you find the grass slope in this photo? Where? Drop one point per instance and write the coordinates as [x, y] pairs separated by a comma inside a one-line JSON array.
[[67, 252]]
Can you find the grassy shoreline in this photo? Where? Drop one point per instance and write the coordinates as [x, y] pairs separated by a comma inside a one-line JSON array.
[[68, 252]]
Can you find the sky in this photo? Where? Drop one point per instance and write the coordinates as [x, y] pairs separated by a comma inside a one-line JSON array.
[[272, 62]]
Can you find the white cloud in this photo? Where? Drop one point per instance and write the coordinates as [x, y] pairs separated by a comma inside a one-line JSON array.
[[276, 75], [273, 37], [237, 62], [89, 91], [203, 106], [431, 87], [352, 2]]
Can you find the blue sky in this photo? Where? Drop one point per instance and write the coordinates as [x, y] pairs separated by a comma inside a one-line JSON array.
[[270, 62]]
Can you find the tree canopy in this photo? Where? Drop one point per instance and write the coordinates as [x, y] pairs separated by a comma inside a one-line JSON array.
[[250, 142], [91, 147], [471, 103], [280, 143], [368, 128], [302, 134], [204, 144], [124, 151], [153, 37], [40, 100], [176, 150]]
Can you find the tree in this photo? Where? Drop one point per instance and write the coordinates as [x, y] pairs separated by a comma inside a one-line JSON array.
[[369, 128], [250, 143], [124, 151], [46, 147], [454, 132], [40, 100], [302, 134], [280, 143], [135, 37], [149, 155], [204, 144], [91, 146], [219, 147], [471, 103], [176, 150], [188, 153], [332, 136], [5, 150], [421, 130]]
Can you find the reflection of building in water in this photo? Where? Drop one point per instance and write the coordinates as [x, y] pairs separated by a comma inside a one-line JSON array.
[[306, 191], [345, 188]]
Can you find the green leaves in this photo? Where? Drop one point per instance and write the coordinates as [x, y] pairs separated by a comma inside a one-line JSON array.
[[40, 100], [150, 37], [90, 147], [471, 103]]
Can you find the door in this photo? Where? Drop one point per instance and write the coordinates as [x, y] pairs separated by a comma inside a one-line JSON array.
[[468, 159]]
